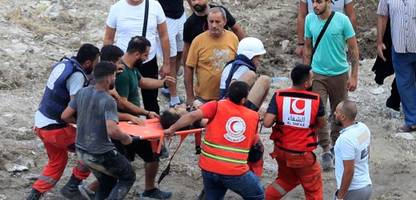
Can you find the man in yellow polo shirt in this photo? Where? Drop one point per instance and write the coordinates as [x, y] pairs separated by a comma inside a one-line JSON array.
[[209, 53]]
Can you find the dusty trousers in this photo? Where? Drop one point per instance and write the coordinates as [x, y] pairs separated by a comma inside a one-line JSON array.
[[296, 169], [334, 89], [57, 143]]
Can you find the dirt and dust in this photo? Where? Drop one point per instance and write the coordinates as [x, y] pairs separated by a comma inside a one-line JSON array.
[[35, 34]]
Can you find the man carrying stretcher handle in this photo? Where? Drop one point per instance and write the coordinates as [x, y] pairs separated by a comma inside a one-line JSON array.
[[230, 133], [96, 121]]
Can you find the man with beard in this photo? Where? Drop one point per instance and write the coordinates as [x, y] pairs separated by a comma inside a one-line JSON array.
[[67, 77], [295, 113], [352, 151], [209, 53], [332, 79], [197, 24], [96, 119], [127, 84]]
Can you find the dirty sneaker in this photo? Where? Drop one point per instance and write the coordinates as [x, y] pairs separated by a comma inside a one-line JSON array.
[[85, 192], [327, 161], [157, 194]]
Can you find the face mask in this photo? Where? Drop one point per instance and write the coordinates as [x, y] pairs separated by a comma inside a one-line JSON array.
[[200, 8]]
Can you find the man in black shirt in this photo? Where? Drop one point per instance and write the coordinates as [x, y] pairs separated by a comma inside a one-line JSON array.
[[197, 23]]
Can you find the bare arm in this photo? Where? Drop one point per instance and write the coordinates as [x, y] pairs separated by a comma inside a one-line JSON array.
[[238, 31], [129, 107], [164, 40], [189, 84], [300, 27], [151, 83], [184, 121], [269, 120], [109, 35], [185, 52], [355, 58], [307, 52], [69, 115], [115, 133], [346, 178], [381, 29], [350, 12]]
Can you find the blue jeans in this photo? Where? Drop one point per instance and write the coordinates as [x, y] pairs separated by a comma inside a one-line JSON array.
[[405, 68], [247, 186]]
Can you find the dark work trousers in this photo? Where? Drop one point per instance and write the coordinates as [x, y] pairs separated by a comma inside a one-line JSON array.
[[150, 70], [112, 170]]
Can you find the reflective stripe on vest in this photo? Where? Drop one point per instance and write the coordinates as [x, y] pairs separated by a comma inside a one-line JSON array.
[[225, 148]]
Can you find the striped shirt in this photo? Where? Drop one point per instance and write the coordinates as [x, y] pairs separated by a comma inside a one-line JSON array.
[[403, 23]]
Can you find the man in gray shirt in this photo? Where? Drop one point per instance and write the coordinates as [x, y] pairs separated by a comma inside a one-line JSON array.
[[97, 120]]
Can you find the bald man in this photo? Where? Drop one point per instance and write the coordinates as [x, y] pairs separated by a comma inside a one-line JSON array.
[[351, 155]]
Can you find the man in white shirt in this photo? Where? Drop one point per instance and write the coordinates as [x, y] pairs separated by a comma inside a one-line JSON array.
[[126, 20], [351, 155]]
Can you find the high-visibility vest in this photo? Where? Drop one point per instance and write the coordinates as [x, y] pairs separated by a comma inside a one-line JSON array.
[[228, 139], [297, 114]]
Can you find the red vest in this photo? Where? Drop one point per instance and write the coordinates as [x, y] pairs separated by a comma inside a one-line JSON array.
[[297, 114], [228, 139]]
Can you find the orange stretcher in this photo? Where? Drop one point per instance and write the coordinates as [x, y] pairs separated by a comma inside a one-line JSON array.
[[152, 131]]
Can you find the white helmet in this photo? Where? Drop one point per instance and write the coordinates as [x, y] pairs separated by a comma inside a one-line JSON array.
[[251, 47]]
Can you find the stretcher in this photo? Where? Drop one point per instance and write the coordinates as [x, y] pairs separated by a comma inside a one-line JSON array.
[[152, 130]]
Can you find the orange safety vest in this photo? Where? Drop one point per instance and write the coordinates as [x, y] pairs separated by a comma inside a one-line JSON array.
[[228, 139], [297, 114]]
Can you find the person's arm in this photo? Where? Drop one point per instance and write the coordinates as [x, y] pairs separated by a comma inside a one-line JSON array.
[[164, 40], [269, 120], [189, 84], [151, 83], [238, 31], [185, 51], [133, 109], [352, 83], [184, 121], [69, 115], [271, 113], [350, 12], [115, 133], [381, 29], [347, 176], [307, 52], [131, 118], [109, 35], [300, 27]]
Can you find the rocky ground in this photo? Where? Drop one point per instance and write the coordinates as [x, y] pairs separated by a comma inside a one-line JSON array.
[[34, 34]]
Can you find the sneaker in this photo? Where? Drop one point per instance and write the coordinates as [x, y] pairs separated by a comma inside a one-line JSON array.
[[327, 161], [407, 129], [70, 190], [34, 195], [86, 192], [157, 194]]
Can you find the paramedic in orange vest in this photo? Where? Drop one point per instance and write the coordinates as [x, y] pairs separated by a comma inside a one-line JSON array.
[[230, 133], [295, 114]]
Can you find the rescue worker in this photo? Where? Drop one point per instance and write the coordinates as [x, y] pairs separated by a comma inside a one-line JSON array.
[[67, 77], [244, 68], [295, 114], [230, 133]]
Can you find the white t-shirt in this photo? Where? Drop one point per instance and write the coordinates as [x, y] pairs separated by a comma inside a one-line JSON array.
[[128, 22], [353, 144], [337, 6], [240, 71], [73, 84]]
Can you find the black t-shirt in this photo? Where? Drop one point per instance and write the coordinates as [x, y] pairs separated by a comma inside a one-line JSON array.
[[173, 8], [196, 25], [274, 110]]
